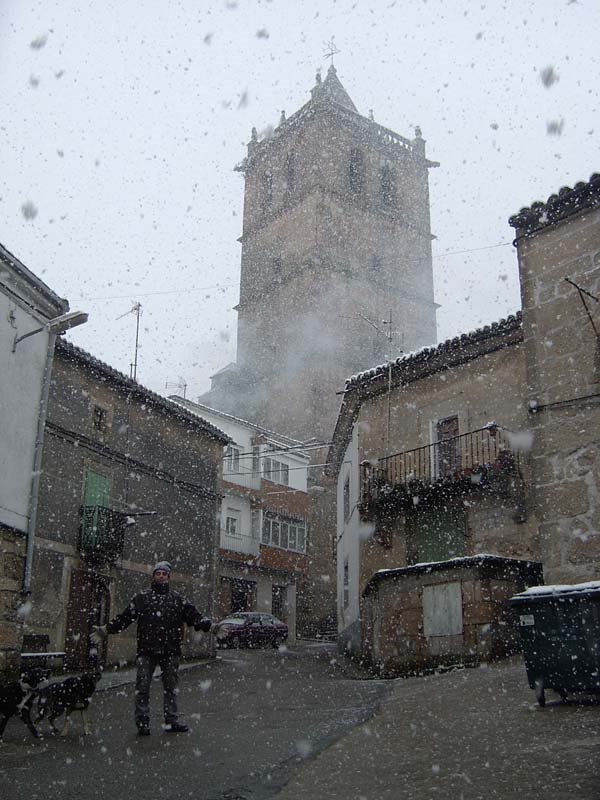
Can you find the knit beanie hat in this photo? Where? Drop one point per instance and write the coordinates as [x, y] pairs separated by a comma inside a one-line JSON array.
[[162, 565]]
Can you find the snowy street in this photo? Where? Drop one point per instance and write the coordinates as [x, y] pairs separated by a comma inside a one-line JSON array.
[[295, 726]]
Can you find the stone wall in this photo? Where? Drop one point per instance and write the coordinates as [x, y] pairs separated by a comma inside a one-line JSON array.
[[155, 461], [563, 388], [394, 622], [12, 564]]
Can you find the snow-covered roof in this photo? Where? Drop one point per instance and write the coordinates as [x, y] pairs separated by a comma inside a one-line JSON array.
[[499, 564], [76, 353], [557, 207], [48, 302], [449, 349], [198, 408], [560, 590]]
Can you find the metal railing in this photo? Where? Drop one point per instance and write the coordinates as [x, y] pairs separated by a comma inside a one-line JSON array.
[[102, 534], [470, 455]]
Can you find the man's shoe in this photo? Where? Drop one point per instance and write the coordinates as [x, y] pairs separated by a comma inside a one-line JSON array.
[[143, 730], [176, 727]]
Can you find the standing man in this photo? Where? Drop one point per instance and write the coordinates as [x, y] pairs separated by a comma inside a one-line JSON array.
[[160, 614]]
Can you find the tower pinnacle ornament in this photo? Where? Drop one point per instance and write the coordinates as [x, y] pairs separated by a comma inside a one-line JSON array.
[[330, 50]]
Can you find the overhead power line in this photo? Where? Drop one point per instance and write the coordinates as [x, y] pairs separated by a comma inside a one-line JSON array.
[[189, 289]]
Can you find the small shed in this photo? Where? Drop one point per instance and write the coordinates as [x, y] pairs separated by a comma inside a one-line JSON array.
[[444, 613]]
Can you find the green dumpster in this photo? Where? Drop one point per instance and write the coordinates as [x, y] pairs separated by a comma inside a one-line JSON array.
[[560, 634]]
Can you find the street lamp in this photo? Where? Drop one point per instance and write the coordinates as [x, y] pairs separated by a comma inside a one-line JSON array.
[[55, 326]]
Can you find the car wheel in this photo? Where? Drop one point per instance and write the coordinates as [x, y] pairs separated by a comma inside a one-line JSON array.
[[235, 642], [277, 642]]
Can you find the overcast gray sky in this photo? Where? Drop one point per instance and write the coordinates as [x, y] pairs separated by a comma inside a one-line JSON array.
[[123, 121]]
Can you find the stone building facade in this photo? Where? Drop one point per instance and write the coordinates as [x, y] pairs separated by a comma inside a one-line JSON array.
[[336, 239], [558, 246], [336, 274], [444, 613], [485, 445], [128, 479], [430, 457]]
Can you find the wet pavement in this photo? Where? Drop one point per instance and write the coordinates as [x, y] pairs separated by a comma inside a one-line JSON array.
[[254, 715], [470, 734], [293, 724]]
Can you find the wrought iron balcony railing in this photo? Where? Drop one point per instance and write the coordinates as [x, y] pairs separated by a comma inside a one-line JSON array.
[[101, 534], [479, 459]]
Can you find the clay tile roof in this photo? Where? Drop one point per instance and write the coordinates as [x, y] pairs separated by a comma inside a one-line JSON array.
[[76, 353], [557, 207], [431, 359]]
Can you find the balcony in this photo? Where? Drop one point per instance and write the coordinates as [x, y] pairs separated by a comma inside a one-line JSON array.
[[101, 534], [478, 461]]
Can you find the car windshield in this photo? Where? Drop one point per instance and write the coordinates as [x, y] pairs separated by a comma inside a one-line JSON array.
[[234, 620]]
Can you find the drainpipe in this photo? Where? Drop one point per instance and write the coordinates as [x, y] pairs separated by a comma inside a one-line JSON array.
[[37, 465]]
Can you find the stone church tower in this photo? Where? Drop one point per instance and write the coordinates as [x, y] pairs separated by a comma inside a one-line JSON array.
[[336, 240]]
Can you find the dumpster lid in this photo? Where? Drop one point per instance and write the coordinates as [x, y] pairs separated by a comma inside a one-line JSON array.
[[589, 589]]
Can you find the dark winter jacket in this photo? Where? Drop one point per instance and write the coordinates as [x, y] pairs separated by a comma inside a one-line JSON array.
[[160, 614]]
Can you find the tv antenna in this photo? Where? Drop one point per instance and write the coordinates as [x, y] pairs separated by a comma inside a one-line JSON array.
[[137, 310], [181, 385]]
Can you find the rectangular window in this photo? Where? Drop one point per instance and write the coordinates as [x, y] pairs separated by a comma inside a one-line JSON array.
[[292, 537], [255, 524], [346, 583], [256, 459], [268, 469], [283, 535], [231, 526], [266, 530], [301, 542], [347, 499], [232, 460], [99, 421], [285, 474], [275, 533]]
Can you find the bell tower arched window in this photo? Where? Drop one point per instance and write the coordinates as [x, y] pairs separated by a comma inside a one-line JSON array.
[[356, 172], [387, 186]]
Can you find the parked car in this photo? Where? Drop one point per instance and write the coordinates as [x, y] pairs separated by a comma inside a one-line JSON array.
[[250, 629]]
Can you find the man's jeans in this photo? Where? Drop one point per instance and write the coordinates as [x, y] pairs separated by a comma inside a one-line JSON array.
[[146, 665]]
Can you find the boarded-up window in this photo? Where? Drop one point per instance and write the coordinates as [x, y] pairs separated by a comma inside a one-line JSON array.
[[442, 610]]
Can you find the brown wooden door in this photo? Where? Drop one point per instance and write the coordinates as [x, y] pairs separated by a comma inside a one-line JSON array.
[[447, 447], [89, 604]]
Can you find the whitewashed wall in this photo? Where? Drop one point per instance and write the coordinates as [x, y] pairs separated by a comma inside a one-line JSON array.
[[244, 542], [348, 541], [21, 376]]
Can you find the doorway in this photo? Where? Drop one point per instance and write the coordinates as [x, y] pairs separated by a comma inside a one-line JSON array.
[[88, 605]]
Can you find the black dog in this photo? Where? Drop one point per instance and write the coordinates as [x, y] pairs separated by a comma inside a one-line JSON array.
[[72, 694], [16, 699]]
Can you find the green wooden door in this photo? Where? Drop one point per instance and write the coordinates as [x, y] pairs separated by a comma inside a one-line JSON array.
[[437, 536], [95, 496], [96, 489]]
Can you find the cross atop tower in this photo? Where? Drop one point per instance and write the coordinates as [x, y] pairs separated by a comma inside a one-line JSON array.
[[330, 50]]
